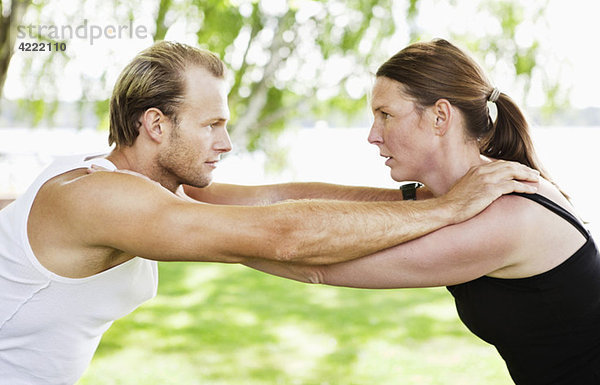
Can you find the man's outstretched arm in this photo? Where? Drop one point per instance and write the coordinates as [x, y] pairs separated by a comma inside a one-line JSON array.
[[141, 218]]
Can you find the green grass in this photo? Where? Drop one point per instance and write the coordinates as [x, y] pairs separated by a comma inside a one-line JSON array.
[[221, 324]]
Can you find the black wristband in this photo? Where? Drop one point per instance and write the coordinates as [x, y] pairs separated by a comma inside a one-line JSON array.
[[409, 191]]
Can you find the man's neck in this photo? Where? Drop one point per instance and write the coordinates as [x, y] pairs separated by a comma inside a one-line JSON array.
[[128, 159]]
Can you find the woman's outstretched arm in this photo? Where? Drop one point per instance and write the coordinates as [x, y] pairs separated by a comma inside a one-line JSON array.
[[451, 255]]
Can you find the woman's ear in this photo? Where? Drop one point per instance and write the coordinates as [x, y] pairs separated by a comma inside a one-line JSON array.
[[152, 122], [442, 116]]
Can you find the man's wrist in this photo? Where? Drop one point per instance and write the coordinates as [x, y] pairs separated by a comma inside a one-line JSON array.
[[445, 210]]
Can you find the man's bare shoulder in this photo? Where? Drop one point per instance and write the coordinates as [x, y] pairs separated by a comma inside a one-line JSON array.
[[83, 223], [67, 213], [79, 190]]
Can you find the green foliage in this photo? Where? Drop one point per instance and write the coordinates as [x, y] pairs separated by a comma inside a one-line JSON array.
[[221, 24], [36, 110], [525, 60], [511, 15], [217, 324], [412, 9], [556, 101], [295, 59], [505, 46]]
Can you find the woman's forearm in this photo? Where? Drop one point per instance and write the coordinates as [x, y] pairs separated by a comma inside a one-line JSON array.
[[221, 193]]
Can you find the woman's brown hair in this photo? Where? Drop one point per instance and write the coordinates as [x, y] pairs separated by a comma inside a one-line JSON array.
[[429, 71]]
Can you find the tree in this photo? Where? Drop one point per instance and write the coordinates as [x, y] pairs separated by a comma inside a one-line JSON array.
[[10, 18], [294, 59]]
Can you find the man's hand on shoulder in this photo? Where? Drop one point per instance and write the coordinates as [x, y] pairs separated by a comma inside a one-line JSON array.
[[484, 184]]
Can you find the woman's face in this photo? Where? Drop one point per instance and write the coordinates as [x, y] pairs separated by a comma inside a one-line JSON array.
[[403, 133]]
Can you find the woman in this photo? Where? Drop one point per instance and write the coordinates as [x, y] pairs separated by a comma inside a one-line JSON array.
[[525, 273]]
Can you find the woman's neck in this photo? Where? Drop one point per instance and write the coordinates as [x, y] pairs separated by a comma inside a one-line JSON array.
[[451, 167]]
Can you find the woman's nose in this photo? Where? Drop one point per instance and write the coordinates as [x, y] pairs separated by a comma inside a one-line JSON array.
[[375, 134]]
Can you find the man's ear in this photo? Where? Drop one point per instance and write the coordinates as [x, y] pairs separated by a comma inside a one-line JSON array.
[[442, 116], [152, 121]]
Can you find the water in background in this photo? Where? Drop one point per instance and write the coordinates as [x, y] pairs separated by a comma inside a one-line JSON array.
[[333, 155]]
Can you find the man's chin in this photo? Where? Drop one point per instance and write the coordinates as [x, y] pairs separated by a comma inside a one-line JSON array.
[[201, 183]]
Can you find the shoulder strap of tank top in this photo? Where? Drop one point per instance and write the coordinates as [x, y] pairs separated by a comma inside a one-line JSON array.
[[559, 210]]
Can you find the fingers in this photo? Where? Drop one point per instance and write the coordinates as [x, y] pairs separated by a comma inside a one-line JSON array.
[[485, 183], [521, 187], [93, 168], [507, 170], [521, 172]]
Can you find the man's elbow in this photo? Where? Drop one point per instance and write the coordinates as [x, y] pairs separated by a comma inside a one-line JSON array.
[[285, 239], [287, 251]]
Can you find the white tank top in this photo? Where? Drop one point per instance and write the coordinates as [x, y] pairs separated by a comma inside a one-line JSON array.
[[50, 325]]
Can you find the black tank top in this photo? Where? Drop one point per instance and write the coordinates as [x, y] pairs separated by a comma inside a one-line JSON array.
[[546, 327]]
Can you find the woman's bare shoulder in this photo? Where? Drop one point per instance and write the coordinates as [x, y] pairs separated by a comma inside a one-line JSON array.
[[535, 232]]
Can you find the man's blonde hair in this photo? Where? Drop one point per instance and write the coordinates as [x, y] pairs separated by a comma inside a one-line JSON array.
[[154, 78]]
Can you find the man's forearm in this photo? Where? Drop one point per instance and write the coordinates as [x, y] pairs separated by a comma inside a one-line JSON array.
[[220, 193], [324, 232]]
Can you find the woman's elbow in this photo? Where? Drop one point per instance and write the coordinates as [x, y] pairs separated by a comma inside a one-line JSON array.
[[315, 275]]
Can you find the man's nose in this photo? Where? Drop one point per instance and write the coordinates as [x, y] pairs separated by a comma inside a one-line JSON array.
[[223, 142]]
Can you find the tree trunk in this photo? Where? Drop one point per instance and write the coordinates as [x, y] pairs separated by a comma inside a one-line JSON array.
[[8, 34], [161, 28]]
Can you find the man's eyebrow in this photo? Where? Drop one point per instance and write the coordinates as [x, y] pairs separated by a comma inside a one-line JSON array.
[[220, 119], [217, 116]]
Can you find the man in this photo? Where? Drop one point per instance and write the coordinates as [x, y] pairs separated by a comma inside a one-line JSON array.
[[68, 246]]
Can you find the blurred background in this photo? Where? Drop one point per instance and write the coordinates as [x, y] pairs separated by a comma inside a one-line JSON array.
[[300, 78]]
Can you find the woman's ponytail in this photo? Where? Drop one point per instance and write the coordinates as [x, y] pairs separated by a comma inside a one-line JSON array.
[[509, 137]]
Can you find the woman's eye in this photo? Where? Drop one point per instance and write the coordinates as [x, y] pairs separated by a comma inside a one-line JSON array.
[[385, 115]]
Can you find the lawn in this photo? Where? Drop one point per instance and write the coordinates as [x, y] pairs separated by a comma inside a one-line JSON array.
[[225, 324]]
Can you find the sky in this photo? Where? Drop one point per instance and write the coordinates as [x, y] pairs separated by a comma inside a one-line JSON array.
[[566, 39], [574, 30]]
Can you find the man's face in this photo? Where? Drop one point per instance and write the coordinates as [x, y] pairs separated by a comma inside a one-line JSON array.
[[193, 146]]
